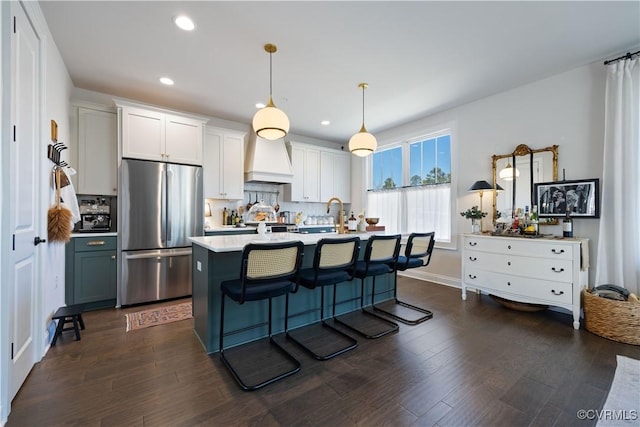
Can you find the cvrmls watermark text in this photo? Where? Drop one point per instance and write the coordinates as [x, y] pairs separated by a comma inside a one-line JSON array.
[[608, 414]]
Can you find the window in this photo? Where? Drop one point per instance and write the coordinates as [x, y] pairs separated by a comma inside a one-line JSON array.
[[411, 185]]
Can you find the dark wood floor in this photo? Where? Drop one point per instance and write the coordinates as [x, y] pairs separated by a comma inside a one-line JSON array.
[[474, 363]]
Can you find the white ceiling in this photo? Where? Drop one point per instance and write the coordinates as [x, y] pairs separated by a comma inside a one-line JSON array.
[[418, 57]]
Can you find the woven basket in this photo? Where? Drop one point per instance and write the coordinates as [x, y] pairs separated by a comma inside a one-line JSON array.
[[615, 320]]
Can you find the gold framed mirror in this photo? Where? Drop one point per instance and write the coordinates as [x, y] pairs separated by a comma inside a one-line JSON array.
[[532, 166]]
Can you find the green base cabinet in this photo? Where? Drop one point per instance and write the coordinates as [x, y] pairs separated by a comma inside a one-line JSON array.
[[91, 276]]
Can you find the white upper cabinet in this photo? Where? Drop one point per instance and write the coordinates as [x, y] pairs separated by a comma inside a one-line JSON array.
[[152, 134], [305, 187], [97, 152], [335, 175], [223, 164]]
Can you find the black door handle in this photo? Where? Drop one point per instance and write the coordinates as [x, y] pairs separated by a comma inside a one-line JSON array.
[[37, 240]]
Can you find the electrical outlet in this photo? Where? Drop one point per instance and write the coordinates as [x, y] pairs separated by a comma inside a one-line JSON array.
[[198, 266]]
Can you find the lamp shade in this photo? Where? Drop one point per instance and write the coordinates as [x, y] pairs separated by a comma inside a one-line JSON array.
[[481, 185], [270, 122], [498, 188], [507, 173], [362, 143]]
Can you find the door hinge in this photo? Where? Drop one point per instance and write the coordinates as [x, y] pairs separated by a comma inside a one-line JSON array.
[[11, 351]]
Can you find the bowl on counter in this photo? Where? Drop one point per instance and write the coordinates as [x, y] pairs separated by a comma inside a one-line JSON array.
[[372, 221]]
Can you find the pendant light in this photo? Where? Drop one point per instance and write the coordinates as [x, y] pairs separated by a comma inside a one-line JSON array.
[[508, 173], [270, 122], [363, 143]]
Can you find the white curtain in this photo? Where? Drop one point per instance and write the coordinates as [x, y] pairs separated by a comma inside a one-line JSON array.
[[413, 209], [618, 259]]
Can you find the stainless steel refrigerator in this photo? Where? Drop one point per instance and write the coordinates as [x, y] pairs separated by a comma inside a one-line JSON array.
[[161, 207]]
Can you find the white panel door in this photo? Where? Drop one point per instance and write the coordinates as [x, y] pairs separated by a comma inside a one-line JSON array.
[[24, 154]]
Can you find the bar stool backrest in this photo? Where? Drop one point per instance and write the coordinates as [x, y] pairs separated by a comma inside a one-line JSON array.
[[336, 253], [264, 263], [382, 249], [420, 245]]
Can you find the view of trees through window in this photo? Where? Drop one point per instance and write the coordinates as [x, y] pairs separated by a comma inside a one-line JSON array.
[[429, 163]]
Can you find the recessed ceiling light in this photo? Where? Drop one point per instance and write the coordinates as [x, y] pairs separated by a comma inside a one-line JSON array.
[[166, 81], [260, 105], [184, 23], [325, 123]]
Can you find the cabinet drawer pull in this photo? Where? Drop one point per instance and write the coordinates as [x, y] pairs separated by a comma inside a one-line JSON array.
[[508, 262], [509, 247], [557, 270], [508, 283], [472, 258], [557, 293], [113, 257], [473, 243], [557, 252], [471, 276], [95, 243]]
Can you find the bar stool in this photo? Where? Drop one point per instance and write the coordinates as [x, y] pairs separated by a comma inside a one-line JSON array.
[[380, 257], [267, 271], [334, 262], [417, 254]]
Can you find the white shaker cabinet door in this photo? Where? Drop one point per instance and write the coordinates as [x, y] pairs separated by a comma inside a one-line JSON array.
[[183, 140], [97, 152], [142, 134], [223, 164]]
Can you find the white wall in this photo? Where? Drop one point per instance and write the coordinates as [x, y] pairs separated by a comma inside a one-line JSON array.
[[566, 109]]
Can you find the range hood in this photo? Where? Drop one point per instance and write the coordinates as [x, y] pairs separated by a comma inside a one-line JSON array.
[[267, 161]]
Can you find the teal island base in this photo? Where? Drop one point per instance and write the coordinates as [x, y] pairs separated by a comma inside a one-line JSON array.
[[217, 258]]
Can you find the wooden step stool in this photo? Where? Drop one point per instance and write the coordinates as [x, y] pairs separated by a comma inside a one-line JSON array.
[[70, 313]]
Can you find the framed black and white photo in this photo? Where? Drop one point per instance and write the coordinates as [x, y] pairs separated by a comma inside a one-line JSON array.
[[580, 197]]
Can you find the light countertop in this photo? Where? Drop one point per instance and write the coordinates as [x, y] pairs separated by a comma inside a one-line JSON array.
[[235, 242], [110, 233]]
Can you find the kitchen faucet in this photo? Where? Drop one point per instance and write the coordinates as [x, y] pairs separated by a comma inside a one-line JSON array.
[[341, 216]]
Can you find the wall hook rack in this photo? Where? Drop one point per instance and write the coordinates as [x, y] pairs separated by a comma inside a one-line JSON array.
[[54, 151]]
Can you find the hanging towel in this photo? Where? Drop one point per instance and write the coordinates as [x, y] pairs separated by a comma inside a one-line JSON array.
[[68, 195]]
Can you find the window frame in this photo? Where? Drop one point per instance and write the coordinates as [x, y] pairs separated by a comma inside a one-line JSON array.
[[404, 141]]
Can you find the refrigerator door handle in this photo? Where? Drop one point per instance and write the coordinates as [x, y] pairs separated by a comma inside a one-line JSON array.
[[163, 254], [167, 204], [163, 206]]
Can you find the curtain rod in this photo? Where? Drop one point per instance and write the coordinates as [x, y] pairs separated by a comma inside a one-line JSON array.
[[627, 56]]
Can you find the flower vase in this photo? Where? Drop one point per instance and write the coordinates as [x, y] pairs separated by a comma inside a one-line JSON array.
[[475, 226]]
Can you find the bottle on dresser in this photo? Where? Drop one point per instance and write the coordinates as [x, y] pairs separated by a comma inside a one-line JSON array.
[[567, 224], [534, 219]]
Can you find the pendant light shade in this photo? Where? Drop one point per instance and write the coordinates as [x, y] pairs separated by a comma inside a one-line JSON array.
[[270, 122], [507, 173], [363, 143]]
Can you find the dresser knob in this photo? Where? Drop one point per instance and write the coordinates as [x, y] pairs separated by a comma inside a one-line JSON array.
[[473, 243], [557, 270], [472, 258], [508, 283], [471, 276], [558, 252], [508, 262], [509, 247], [557, 293]]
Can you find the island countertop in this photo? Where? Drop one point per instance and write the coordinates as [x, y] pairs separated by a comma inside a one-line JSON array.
[[235, 242]]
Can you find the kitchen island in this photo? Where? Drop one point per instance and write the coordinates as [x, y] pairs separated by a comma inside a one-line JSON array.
[[217, 258]]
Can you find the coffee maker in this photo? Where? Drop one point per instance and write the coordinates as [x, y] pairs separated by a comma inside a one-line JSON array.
[[95, 216]]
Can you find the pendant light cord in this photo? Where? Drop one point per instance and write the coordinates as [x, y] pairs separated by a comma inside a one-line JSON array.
[[270, 76], [363, 105]]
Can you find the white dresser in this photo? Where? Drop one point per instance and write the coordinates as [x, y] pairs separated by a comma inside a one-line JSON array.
[[539, 271]]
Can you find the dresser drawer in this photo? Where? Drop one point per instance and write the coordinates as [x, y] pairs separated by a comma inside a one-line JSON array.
[[519, 288], [558, 270], [520, 246]]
